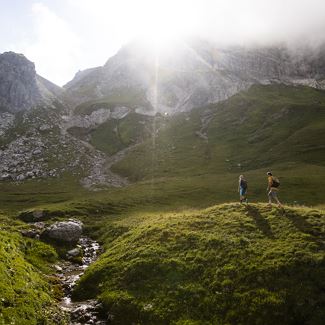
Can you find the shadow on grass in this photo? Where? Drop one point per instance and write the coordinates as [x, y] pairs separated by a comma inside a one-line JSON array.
[[261, 223], [304, 226]]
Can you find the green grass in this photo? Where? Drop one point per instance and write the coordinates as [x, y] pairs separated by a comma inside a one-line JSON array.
[[35, 192], [27, 296], [169, 259], [115, 135], [228, 264]]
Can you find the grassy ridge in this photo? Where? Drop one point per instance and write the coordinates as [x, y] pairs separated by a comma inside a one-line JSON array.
[[228, 264]]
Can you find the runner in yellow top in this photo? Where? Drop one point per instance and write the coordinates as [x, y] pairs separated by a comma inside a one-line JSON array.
[[272, 189]]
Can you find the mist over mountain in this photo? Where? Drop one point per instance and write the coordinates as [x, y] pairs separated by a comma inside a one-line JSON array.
[[196, 73], [174, 79]]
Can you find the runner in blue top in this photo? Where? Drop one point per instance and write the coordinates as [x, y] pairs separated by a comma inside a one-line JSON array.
[[242, 189]]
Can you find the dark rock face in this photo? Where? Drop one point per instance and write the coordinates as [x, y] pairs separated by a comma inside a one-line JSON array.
[[20, 87], [63, 232], [18, 84]]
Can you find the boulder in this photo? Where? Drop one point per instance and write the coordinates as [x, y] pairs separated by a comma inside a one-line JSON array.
[[37, 152], [74, 252], [20, 177], [63, 231]]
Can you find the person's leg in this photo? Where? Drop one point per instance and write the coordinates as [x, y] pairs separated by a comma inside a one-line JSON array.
[[270, 197], [245, 196], [275, 196]]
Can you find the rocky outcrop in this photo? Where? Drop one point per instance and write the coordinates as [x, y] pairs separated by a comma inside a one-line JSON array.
[[20, 87], [97, 117], [63, 231], [6, 122]]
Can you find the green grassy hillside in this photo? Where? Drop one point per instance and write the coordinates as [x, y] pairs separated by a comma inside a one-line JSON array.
[[263, 126], [228, 264], [27, 296], [275, 127]]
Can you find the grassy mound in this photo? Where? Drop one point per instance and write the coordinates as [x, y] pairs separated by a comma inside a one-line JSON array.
[[27, 297], [228, 264]]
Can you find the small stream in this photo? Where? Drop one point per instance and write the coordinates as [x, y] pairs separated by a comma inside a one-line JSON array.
[[82, 312]]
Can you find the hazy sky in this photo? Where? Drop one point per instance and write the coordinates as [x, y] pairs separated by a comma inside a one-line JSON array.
[[64, 36]]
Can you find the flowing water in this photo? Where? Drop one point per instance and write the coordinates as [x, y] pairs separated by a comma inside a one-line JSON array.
[[81, 312]]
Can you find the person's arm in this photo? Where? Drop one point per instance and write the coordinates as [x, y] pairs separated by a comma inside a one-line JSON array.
[[269, 184]]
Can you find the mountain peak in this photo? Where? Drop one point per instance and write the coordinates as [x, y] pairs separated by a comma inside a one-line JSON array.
[[20, 87], [10, 55]]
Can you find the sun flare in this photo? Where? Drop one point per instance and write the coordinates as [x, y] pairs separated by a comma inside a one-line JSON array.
[[159, 22]]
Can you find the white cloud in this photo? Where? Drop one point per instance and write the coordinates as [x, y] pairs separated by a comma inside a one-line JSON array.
[[55, 48], [68, 35], [223, 20]]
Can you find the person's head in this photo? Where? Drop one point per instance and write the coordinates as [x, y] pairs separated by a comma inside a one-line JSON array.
[[269, 174], [241, 177]]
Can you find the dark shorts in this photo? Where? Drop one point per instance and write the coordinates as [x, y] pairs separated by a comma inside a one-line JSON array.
[[273, 193]]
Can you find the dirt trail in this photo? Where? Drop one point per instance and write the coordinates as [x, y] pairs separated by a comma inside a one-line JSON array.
[[206, 118]]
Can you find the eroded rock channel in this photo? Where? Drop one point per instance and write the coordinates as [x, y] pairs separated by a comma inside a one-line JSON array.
[[82, 312]]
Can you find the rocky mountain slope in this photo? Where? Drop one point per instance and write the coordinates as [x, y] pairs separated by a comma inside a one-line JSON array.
[[195, 73], [34, 143]]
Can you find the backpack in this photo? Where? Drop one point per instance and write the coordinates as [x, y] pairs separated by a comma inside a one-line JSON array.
[[243, 184], [275, 182]]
